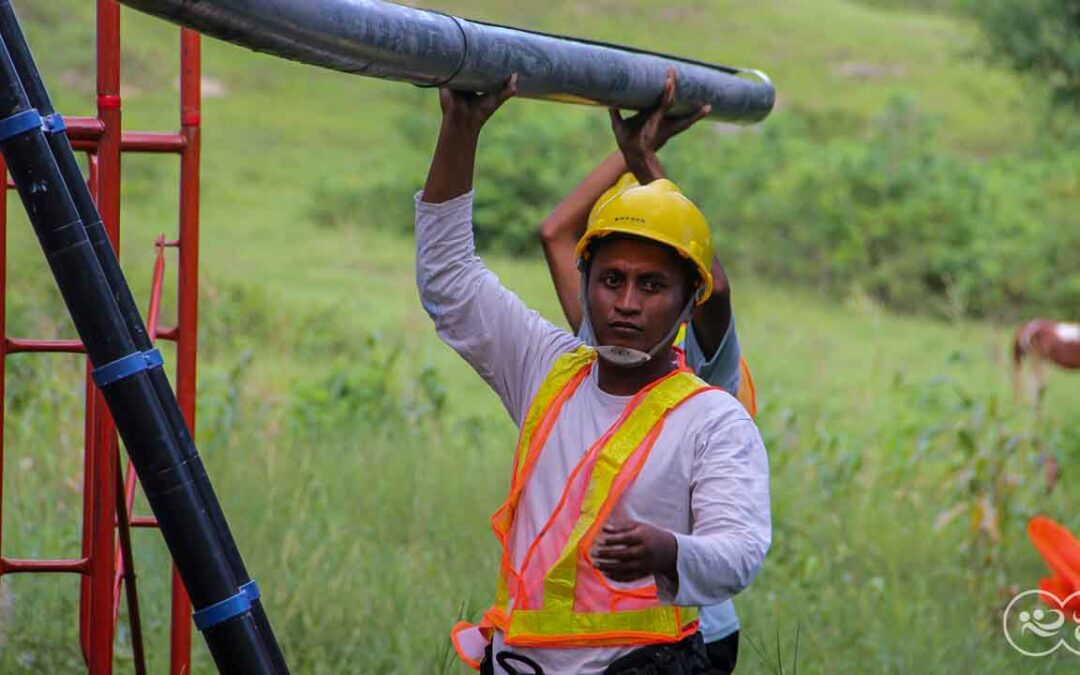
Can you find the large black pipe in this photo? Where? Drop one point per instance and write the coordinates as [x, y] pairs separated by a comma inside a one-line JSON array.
[[60, 145], [381, 39], [236, 644]]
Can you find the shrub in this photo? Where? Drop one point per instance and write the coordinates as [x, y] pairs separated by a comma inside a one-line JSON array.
[[890, 215], [877, 209], [1036, 37]]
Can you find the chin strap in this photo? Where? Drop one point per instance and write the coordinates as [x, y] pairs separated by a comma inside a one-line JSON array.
[[625, 357]]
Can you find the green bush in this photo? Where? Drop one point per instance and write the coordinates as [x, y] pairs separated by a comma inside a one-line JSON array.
[[875, 207], [891, 215], [1038, 38]]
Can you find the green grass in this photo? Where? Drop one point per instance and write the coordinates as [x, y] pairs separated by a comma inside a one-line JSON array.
[[361, 506]]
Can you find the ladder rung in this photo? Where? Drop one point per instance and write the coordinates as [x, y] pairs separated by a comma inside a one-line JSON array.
[[84, 128], [15, 345], [85, 132], [144, 521], [152, 141], [22, 566]]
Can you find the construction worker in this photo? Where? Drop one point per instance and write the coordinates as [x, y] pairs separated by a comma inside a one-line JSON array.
[[711, 344], [638, 493]]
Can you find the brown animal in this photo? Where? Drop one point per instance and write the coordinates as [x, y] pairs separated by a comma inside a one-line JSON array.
[[1045, 340]]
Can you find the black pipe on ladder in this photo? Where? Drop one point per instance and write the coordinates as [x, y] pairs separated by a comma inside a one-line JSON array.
[[59, 144], [128, 372]]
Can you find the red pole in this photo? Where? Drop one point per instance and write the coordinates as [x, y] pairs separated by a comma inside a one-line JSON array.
[[187, 299], [102, 563], [3, 332], [88, 477]]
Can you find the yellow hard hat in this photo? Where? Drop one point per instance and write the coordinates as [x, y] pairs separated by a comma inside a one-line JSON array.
[[657, 212]]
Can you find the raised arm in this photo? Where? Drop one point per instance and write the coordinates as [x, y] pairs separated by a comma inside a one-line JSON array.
[[464, 115], [508, 345]]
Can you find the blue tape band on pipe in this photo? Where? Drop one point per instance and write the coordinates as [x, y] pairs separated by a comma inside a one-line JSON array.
[[126, 366], [19, 123], [219, 612], [53, 124], [153, 359], [251, 590]]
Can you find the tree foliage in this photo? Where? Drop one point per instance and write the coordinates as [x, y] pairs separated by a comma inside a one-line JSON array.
[[1036, 37]]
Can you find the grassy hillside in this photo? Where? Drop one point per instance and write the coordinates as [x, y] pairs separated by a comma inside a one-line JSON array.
[[358, 459]]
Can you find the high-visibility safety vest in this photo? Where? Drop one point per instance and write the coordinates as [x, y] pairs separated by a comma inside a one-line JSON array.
[[556, 598]]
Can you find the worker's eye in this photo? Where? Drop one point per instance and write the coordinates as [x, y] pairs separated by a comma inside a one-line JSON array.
[[610, 279], [652, 285]]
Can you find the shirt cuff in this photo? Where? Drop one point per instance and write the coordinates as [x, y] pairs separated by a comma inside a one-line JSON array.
[[681, 590], [443, 208], [667, 588]]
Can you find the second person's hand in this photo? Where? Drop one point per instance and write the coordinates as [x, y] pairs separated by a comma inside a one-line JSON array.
[[640, 136]]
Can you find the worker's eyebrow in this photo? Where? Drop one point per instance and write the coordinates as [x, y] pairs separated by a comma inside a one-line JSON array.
[[609, 267]]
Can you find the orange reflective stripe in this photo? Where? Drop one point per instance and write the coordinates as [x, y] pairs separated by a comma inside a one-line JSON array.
[[746, 395], [566, 374]]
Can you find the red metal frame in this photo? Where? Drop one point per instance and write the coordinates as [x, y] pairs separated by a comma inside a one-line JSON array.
[[108, 495]]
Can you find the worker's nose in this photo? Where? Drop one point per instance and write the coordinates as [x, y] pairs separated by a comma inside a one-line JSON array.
[[628, 300]]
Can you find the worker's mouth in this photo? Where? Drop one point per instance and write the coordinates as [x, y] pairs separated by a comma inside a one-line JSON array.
[[625, 328]]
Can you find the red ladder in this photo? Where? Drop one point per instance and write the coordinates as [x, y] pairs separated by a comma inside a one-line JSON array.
[[105, 557]]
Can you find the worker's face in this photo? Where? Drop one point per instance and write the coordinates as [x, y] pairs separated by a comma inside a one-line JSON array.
[[637, 289]]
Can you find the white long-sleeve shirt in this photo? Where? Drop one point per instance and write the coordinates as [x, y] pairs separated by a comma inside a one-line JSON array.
[[705, 480]]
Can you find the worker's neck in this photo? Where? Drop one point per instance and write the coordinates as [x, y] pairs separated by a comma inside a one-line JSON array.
[[623, 381]]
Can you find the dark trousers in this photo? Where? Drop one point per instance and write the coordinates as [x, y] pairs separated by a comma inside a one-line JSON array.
[[687, 657], [723, 654]]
